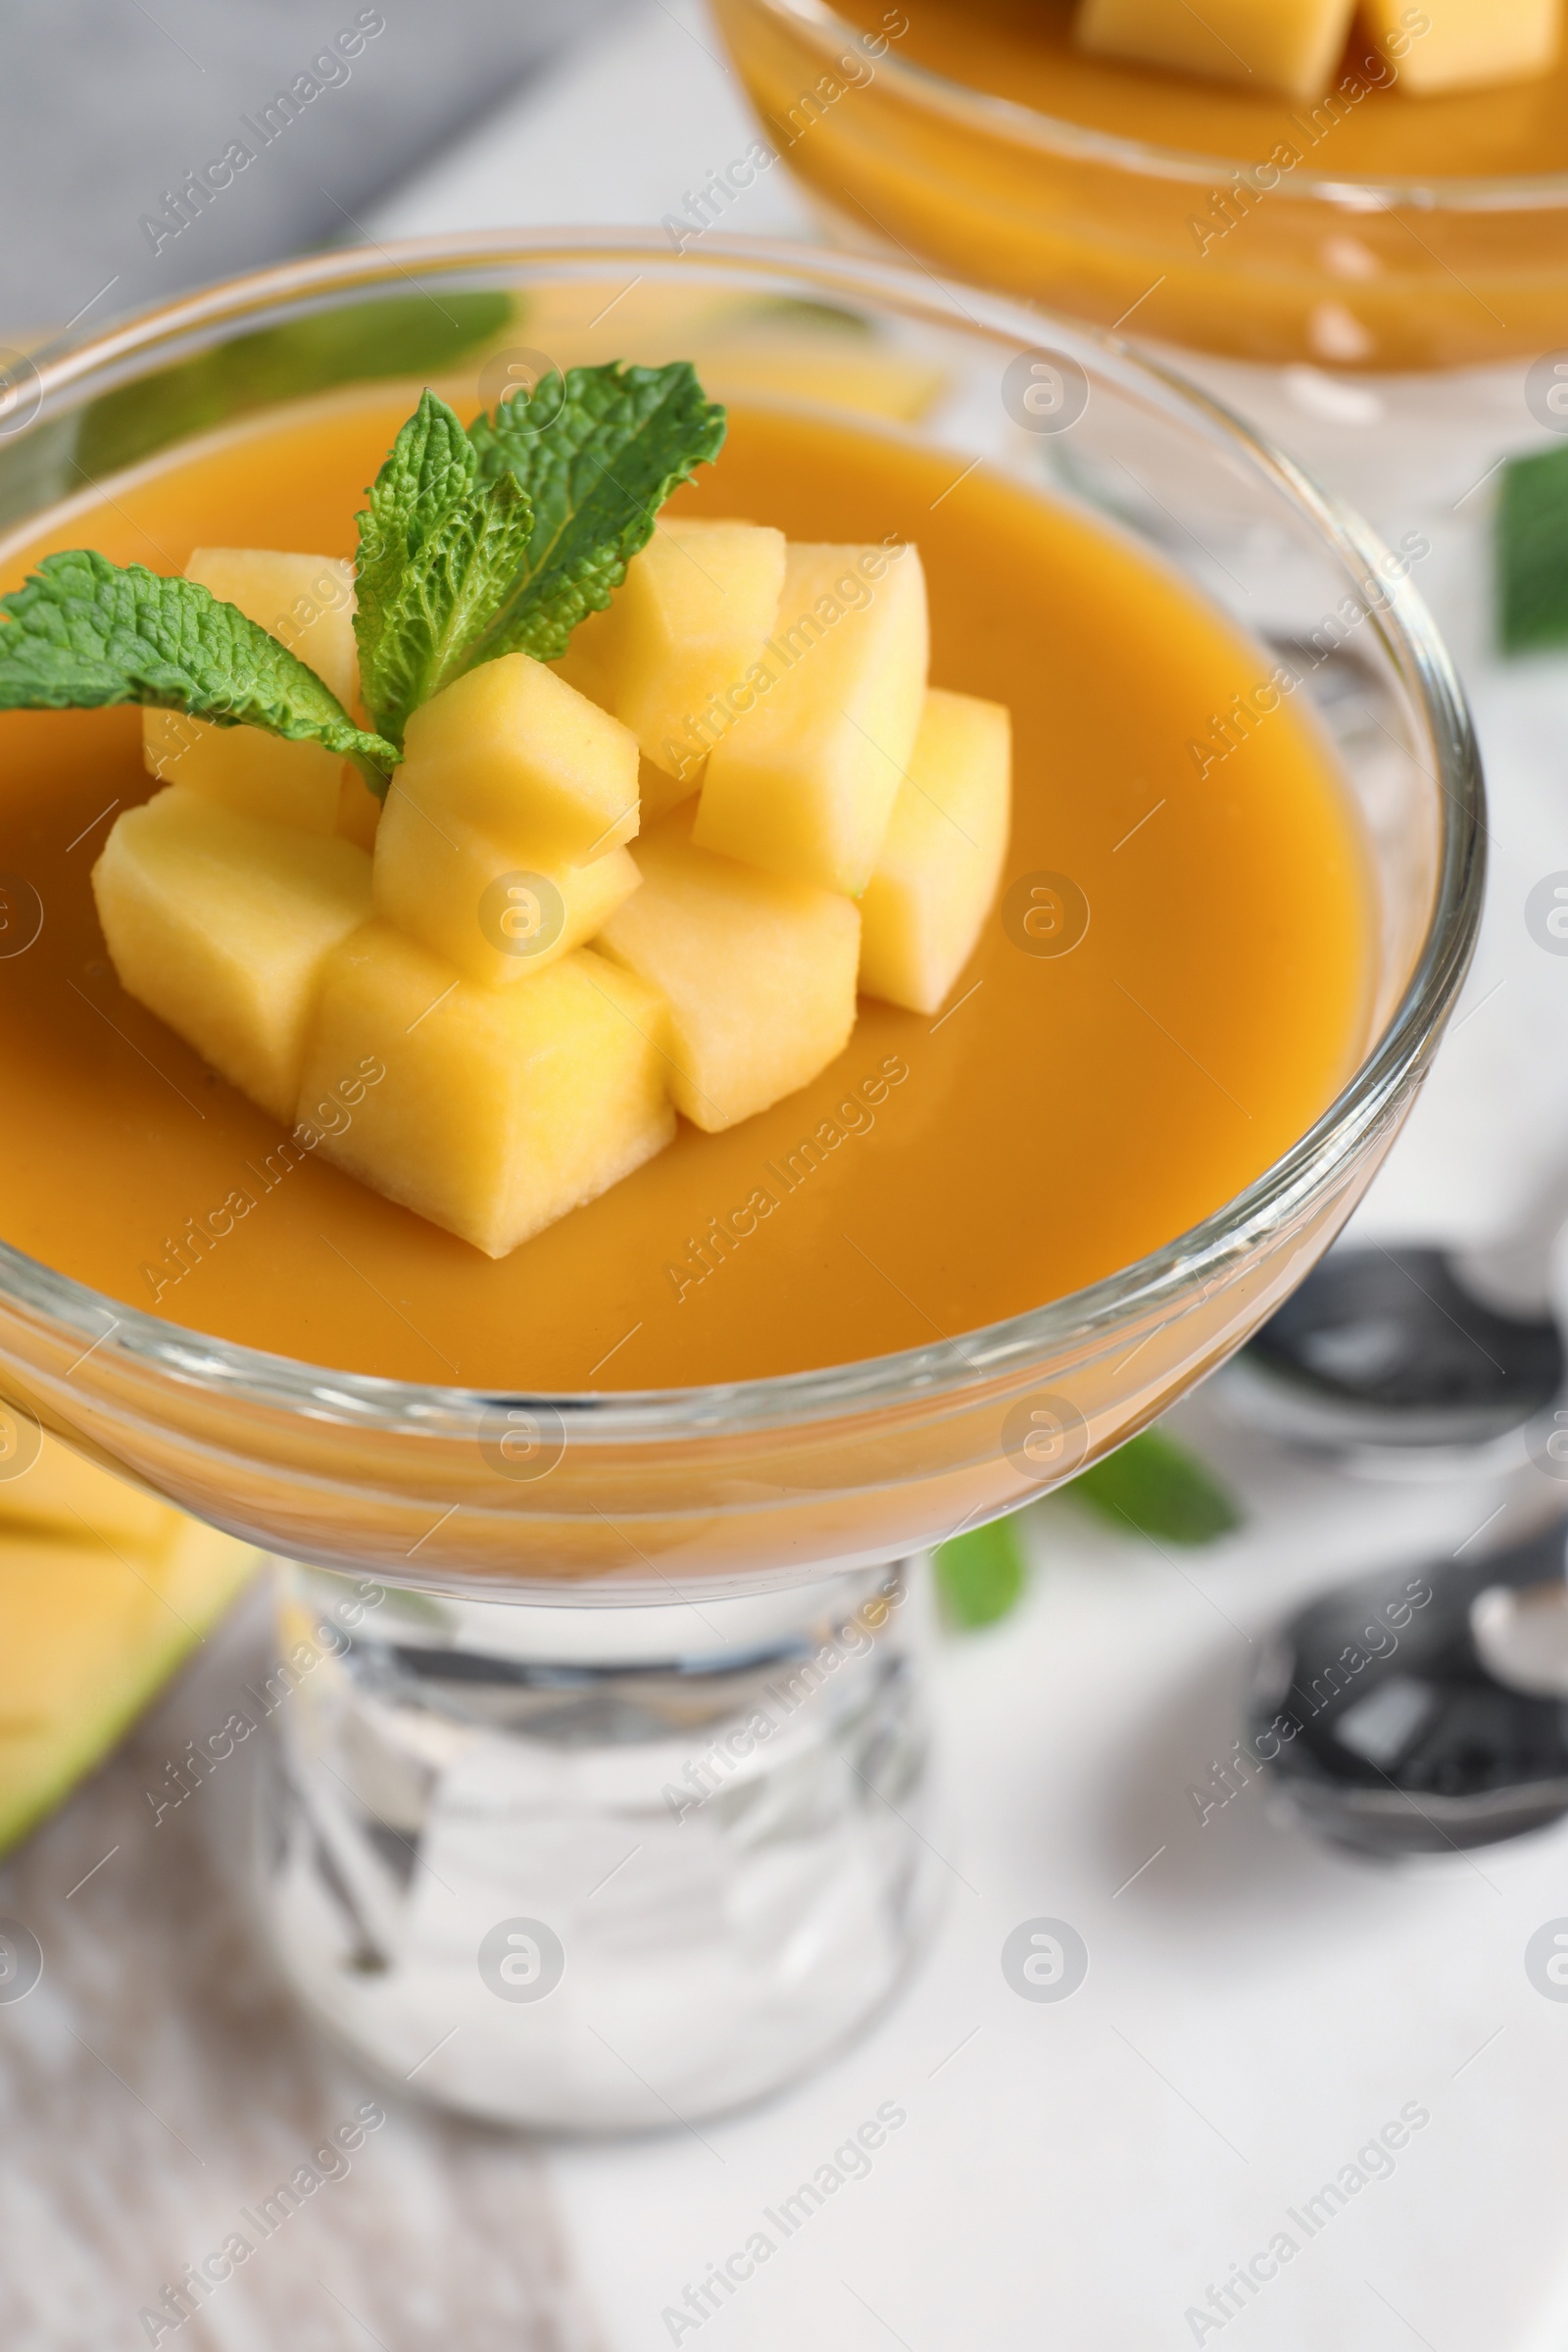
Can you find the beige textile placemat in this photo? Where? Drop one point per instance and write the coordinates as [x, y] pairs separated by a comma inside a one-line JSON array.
[[157, 2085]]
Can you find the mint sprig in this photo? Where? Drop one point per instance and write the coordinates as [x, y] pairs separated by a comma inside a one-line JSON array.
[[85, 633], [439, 553], [1149, 1487], [476, 543], [501, 538], [1152, 1487], [598, 452], [980, 1575], [1532, 551]]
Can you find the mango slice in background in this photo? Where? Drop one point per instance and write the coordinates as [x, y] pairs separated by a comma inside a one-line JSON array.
[[104, 1591]]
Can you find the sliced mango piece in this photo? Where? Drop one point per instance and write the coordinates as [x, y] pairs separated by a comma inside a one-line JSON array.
[[359, 812], [514, 750], [660, 792], [804, 782], [757, 971], [937, 876], [463, 896], [307, 602], [222, 924], [64, 1495], [682, 630], [1469, 44], [93, 1626], [1291, 46], [501, 1107]]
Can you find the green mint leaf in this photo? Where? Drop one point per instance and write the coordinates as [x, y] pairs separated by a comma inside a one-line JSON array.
[[447, 597], [439, 555], [1151, 1486], [1532, 540], [598, 452], [980, 1576], [83, 633], [428, 474]]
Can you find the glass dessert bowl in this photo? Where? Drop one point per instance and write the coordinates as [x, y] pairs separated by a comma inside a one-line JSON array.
[[532, 1625], [1369, 277]]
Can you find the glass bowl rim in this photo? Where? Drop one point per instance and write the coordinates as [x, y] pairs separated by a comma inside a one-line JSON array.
[[122, 1332], [1027, 125]]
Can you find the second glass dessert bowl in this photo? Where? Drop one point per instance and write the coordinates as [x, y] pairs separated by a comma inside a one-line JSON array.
[[558, 1607], [1369, 302]]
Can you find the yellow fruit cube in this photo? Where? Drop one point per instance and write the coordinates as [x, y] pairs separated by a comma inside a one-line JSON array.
[[92, 1628], [62, 1490], [804, 781], [682, 630], [221, 924], [307, 602], [937, 876], [463, 896], [660, 792], [359, 812], [757, 971], [501, 1108], [1466, 44], [1289, 46], [515, 750]]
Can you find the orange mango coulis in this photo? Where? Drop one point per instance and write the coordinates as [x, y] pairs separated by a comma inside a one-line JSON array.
[[1231, 249], [1063, 1116]]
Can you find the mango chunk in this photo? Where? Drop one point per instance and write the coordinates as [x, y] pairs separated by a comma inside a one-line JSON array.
[[463, 897], [501, 1108], [308, 602], [93, 1628], [528, 760], [359, 812], [937, 876], [221, 924], [1470, 44], [757, 971], [682, 630], [1289, 46], [660, 792], [64, 1494], [804, 782]]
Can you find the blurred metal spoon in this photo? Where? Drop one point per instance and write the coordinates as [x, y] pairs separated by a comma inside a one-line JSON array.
[[1422, 1712], [1412, 1351]]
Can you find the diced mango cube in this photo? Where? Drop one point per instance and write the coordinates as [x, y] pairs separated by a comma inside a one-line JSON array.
[[62, 1490], [221, 924], [757, 971], [580, 667], [514, 750], [1289, 46], [501, 1107], [804, 782], [307, 602], [937, 876], [456, 891], [359, 812], [660, 792], [1467, 45], [687, 623]]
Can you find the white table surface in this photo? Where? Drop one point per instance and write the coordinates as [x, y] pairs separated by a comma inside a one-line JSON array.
[[1256, 2007]]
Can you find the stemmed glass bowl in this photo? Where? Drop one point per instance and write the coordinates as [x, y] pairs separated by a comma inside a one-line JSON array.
[[617, 1551], [1398, 330]]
